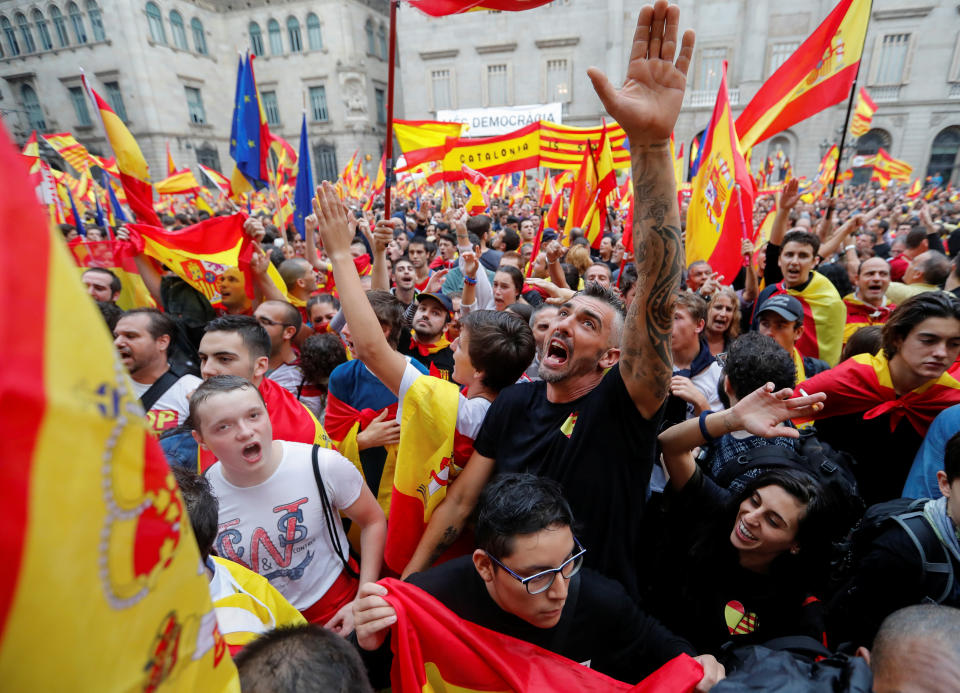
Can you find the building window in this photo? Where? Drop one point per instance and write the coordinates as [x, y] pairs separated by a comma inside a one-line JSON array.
[[60, 25], [42, 30], [179, 34], [155, 21], [893, 59], [96, 21], [195, 105], [11, 36], [382, 40], [558, 80], [76, 19], [116, 99], [381, 98], [779, 52], [711, 67], [276, 41], [28, 44], [199, 37], [325, 156], [318, 103], [945, 155], [256, 39], [208, 156], [314, 34], [270, 107], [371, 43], [497, 85], [31, 104], [79, 100], [440, 81], [293, 33]]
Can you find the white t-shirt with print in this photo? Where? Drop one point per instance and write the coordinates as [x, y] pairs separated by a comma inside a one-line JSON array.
[[173, 407], [277, 528]]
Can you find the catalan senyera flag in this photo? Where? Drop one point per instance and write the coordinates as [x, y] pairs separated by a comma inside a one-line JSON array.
[[424, 140], [561, 146], [862, 114], [199, 254], [101, 547], [181, 182], [134, 172], [819, 74], [441, 8], [73, 152], [720, 214], [436, 650]]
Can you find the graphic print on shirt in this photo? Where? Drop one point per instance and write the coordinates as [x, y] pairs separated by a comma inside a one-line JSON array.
[[159, 420], [739, 620], [264, 556], [567, 427]]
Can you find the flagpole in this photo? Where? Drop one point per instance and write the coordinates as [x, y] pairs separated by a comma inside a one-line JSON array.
[[388, 145], [853, 93], [743, 223]]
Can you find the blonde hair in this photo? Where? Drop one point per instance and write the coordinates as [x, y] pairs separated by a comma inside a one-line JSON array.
[[733, 331], [579, 257]]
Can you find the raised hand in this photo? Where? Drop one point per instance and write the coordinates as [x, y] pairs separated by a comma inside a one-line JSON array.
[[436, 281], [332, 220], [648, 103], [254, 228], [763, 411], [790, 195], [382, 236]]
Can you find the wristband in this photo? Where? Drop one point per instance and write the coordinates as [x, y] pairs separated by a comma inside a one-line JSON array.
[[703, 426], [848, 248], [468, 280]]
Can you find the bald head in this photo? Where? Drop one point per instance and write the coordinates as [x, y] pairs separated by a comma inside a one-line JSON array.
[[293, 269], [917, 649]]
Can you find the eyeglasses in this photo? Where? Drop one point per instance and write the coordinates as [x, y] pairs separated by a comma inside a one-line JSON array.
[[542, 581], [267, 322], [722, 359]]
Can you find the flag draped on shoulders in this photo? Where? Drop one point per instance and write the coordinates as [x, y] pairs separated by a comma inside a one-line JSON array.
[[101, 563], [720, 214], [818, 75], [436, 650], [824, 315], [860, 314], [863, 384]]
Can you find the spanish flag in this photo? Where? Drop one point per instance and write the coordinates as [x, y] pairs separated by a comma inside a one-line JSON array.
[[584, 212], [492, 156], [886, 167], [171, 167], [423, 140], [134, 172], [915, 189], [819, 74], [436, 650], [179, 183], [102, 588], [116, 257], [441, 8], [862, 114], [475, 183], [720, 214]]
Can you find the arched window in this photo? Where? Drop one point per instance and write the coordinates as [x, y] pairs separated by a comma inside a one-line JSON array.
[[945, 156], [28, 45], [382, 41], [276, 41], [76, 19], [293, 32], [256, 39], [176, 28], [11, 35], [31, 104], [199, 37], [871, 142], [155, 21], [96, 21], [42, 30], [314, 35], [60, 25], [371, 43]]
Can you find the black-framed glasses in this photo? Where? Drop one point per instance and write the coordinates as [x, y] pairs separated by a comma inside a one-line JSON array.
[[541, 582], [267, 322]]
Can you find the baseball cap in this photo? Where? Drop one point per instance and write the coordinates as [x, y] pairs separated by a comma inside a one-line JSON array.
[[785, 306], [442, 299]]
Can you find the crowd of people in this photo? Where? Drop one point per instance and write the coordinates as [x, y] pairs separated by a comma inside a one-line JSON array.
[[641, 458]]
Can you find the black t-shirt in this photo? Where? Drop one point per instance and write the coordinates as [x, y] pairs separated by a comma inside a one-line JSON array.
[[604, 628], [599, 448]]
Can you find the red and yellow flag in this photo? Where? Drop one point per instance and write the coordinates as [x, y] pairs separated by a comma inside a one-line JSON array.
[[915, 189], [562, 146], [424, 140], [475, 182], [818, 75], [436, 650], [585, 203], [888, 168], [441, 8], [101, 564], [116, 257], [720, 214], [220, 181], [72, 151], [179, 183], [171, 167], [862, 114], [493, 156]]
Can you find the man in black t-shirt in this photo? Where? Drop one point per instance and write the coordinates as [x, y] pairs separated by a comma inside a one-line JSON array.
[[591, 423]]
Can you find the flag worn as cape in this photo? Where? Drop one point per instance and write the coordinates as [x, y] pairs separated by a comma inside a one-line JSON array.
[[101, 565], [860, 314], [819, 74], [824, 316], [863, 384], [436, 650], [720, 214]]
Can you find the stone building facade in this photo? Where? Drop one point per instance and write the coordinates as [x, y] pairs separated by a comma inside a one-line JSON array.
[[911, 66], [169, 68]]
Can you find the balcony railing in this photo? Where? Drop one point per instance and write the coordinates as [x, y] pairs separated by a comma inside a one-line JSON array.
[[885, 94], [706, 97]]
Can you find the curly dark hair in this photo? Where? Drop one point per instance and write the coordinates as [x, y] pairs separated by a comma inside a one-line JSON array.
[[753, 360], [319, 355]]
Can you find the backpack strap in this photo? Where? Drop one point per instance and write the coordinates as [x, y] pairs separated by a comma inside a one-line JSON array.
[[926, 541], [157, 390], [328, 515]]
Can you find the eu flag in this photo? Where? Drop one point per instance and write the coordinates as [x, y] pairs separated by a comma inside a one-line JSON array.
[[303, 194], [252, 134]]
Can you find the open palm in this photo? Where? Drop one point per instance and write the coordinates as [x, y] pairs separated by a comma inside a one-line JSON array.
[[648, 103]]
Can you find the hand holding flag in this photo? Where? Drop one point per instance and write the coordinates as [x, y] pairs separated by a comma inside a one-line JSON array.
[[648, 103]]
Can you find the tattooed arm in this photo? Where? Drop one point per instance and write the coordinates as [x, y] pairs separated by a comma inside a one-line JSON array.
[[647, 107]]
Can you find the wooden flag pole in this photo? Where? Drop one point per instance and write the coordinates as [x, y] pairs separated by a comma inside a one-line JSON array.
[[388, 145]]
